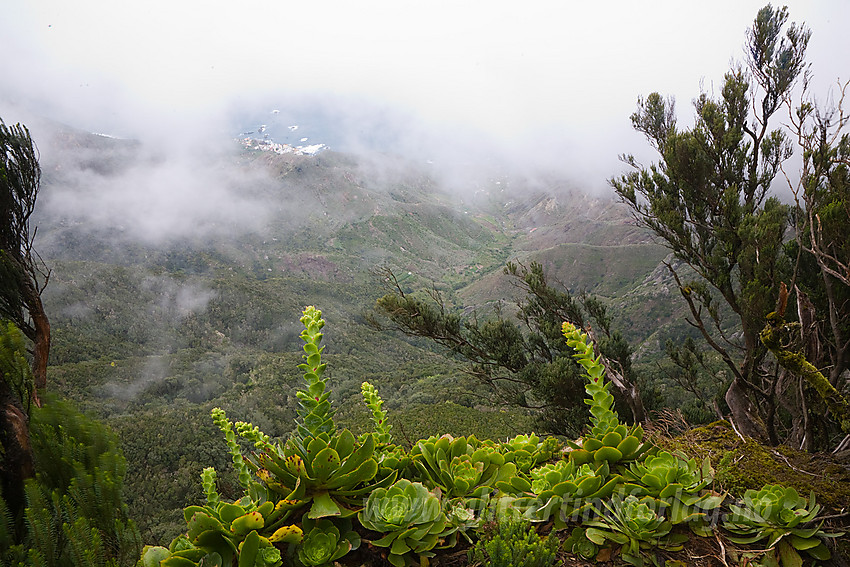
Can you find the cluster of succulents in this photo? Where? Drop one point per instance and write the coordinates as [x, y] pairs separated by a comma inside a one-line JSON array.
[[220, 531], [782, 517], [680, 483], [462, 467], [529, 451], [563, 489], [317, 494], [412, 518], [637, 524]]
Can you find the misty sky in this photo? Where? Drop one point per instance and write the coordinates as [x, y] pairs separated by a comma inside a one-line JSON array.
[[554, 81]]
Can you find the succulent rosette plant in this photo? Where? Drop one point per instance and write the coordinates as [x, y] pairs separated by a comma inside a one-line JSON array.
[[678, 481], [578, 544], [460, 520], [782, 517], [528, 451], [412, 518], [565, 488], [635, 524], [325, 541], [462, 468]]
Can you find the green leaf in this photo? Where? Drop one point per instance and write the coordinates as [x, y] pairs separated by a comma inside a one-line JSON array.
[[325, 463], [175, 561], [248, 552], [789, 556], [599, 536], [216, 541], [520, 484], [247, 522], [190, 511], [345, 482], [628, 446], [360, 455], [821, 552], [399, 546], [201, 522], [803, 543], [610, 454], [387, 540], [193, 555], [344, 443], [153, 555], [229, 512], [323, 506]]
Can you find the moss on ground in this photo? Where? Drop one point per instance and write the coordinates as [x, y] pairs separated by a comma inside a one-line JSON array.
[[741, 464]]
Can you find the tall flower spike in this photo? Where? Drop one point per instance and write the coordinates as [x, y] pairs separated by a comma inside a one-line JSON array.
[[608, 439], [600, 400], [379, 416], [315, 415]]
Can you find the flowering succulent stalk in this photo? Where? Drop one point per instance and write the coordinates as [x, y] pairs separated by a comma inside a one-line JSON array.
[[315, 415], [226, 426], [603, 419], [608, 440], [379, 416], [208, 478]]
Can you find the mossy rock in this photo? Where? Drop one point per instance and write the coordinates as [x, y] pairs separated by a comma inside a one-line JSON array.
[[743, 464]]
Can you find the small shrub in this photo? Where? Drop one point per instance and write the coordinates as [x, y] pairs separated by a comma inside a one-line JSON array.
[[515, 544]]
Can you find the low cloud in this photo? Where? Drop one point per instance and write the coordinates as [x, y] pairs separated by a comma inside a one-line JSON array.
[[147, 194], [178, 299]]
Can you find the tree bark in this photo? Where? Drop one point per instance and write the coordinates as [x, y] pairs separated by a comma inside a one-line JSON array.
[[41, 340], [17, 463], [795, 362], [629, 391], [743, 412]]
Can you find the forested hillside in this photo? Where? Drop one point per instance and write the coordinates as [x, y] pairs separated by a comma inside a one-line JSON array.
[[150, 333]]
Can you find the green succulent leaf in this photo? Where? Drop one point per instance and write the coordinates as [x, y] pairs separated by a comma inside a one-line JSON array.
[[249, 549], [152, 555], [175, 561], [287, 534], [789, 556], [324, 506]]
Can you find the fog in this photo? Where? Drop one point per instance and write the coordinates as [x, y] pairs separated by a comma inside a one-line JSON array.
[[473, 89], [157, 199]]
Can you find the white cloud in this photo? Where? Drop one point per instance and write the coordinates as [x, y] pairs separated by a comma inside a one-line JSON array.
[[508, 73]]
